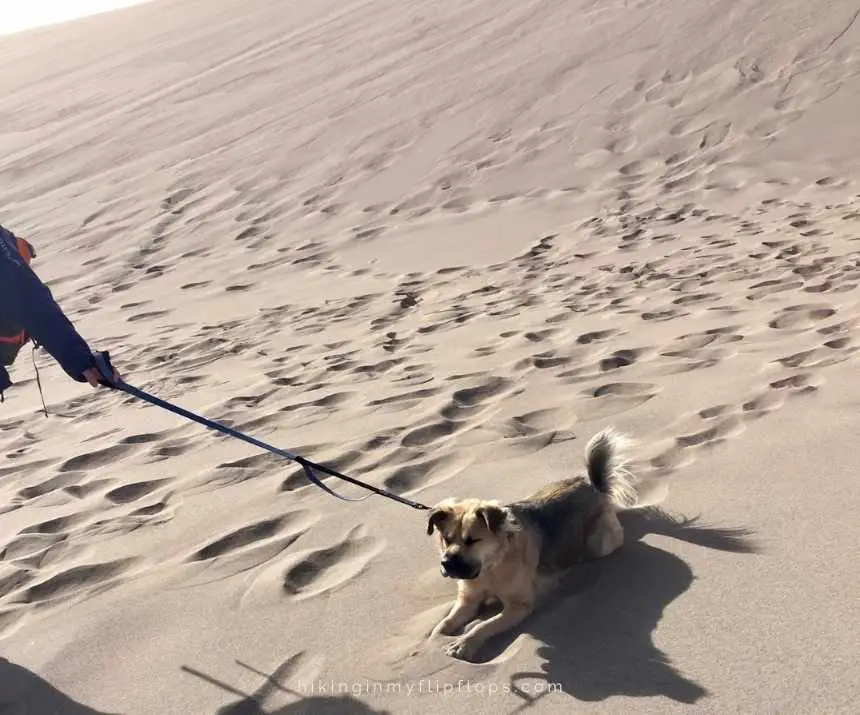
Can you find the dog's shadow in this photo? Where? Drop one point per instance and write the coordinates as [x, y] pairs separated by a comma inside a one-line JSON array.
[[597, 627]]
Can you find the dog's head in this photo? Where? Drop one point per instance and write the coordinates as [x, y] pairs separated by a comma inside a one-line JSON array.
[[472, 535]]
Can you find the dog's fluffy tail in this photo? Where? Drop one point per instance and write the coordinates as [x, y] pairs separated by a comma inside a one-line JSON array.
[[607, 467]]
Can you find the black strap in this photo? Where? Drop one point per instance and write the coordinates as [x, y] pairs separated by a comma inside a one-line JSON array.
[[107, 372]]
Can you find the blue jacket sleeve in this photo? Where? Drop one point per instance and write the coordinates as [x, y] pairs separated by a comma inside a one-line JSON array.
[[28, 303]]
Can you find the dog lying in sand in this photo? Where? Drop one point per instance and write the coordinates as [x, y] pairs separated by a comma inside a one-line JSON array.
[[510, 553]]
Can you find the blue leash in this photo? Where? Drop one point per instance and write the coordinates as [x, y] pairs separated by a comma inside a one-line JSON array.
[[107, 372]]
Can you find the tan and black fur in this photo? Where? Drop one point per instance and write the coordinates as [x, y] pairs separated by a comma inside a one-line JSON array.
[[506, 553]]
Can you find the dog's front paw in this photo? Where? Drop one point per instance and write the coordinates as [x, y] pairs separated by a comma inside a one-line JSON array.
[[462, 648]]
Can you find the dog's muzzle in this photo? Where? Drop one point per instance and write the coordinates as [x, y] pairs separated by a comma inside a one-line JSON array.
[[457, 567]]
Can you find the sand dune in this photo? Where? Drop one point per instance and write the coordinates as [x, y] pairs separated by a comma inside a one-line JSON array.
[[435, 246]]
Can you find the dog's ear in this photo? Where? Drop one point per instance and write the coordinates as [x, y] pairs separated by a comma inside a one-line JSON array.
[[493, 516], [436, 518]]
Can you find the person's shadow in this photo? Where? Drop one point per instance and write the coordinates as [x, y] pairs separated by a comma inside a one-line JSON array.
[[254, 703], [311, 705], [22, 692], [597, 629]]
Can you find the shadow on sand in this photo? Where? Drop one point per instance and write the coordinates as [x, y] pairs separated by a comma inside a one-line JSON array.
[[316, 705], [597, 630], [596, 633], [254, 703], [22, 692]]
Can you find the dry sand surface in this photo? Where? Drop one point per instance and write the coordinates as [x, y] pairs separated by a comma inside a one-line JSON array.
[[436, 245]]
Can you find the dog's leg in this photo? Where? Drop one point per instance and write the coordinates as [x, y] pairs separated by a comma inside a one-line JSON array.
[[514, 610], [465, 608], [608, 536]]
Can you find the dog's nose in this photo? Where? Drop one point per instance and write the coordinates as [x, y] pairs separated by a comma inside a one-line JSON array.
[[455, 567], [449, 562]]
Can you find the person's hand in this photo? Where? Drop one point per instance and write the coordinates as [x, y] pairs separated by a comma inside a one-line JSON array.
[[93, 376]]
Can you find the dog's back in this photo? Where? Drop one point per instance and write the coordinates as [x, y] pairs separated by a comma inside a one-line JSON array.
[[565, 514]]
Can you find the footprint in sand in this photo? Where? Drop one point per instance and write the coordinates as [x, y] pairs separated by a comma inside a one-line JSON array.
[[151, 315], [725, 427], [99, 458], [173, 202], [763, 404], [696, 351], [406, 400], [144, 438], [134, 491], [550, 360], [83, 489], [696, 298], [428, 434], [663, 315], [465, 403], [840, 328], [146, 515], [169, 449], [800, 317], [535, 336], [770, 287], [59, 525], [419, 475], [47, 486], [831, 353], [803, 382], [33, 466], [613, 398], [620, 358], [624, 389], [248, 547], [707, 339], [74, 582], [319, 571], [240, 470], [721, 422], [38, 553], [532, 431], [239, 538], [14, 580]]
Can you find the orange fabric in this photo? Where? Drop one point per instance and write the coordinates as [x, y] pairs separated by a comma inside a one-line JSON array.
[[24, 250]]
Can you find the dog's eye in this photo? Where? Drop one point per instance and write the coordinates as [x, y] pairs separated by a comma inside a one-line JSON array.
[[470, 540]]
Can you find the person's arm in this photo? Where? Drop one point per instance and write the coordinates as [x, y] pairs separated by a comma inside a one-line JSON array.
[[28, 303]]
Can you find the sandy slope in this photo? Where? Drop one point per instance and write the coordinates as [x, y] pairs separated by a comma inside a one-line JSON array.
[[437, 245]]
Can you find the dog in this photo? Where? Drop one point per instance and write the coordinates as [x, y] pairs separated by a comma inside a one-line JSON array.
[[508, 554]]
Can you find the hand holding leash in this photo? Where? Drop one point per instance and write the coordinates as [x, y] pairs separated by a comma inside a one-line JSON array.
[[103, 373]]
